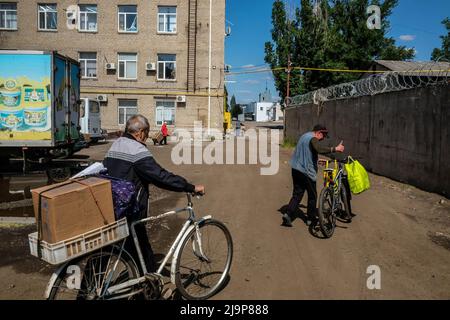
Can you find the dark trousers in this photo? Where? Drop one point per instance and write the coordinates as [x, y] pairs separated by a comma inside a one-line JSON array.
[[348, 193], [302, 183], [146, 248], [164, 140]]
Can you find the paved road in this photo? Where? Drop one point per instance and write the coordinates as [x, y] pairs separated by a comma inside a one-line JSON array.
[[402, 230]]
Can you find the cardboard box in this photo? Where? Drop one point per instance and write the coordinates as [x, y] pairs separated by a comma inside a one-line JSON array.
[[73, 207]]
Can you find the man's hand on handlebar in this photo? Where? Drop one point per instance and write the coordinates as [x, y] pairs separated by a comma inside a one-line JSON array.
[[199, 189], [340, 147]]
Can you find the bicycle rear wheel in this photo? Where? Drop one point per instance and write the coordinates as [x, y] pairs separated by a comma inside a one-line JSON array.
[[92, 272], [327, 215], [202, 270]]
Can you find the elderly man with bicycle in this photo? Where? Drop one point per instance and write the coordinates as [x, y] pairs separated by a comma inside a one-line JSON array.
[[129, 159], [304, 171]]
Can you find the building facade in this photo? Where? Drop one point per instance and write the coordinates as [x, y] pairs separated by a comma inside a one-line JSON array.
[[161, 58]]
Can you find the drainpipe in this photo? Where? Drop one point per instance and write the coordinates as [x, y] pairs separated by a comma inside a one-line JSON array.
[[209, 67]]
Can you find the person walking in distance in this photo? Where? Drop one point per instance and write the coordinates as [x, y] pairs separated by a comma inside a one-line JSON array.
[[304, 171], [165, 133]]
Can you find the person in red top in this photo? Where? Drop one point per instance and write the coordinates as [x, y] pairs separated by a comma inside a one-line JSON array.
[[165, 133]]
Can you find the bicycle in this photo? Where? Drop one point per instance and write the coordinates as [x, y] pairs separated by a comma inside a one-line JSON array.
[[111, 273], [333, 201]]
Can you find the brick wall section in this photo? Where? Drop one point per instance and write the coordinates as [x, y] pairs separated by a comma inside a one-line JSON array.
[[147, 43]]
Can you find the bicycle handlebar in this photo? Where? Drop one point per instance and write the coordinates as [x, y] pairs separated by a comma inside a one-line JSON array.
[[189, 196], [341, 161]]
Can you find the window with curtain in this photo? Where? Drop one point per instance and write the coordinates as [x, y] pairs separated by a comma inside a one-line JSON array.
[[127, 109], [88, 64], [127, 66], [88, 17], [48, 17], [165, 111], [8, 16], [128, 19], [167, 19], [167, 64]]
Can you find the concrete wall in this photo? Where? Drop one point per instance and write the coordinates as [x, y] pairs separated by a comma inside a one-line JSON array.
[[402, 135], [107, 42]]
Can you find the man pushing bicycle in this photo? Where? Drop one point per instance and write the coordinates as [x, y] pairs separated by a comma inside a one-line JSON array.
[[129, 159], [304, 171]]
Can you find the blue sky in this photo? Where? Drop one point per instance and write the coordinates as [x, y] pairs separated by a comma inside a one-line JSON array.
[[34, 67], [414, 23]]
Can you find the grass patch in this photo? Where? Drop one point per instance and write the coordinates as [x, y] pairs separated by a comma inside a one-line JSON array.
[[289, 143]]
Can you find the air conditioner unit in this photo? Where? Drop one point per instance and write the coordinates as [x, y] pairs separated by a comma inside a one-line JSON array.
[[102, 98], [181, 98], [150, 66], [110, 66]]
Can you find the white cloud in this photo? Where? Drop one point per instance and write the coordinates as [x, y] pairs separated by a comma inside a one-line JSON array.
[[407, 37], [244, 91], [248, 66]]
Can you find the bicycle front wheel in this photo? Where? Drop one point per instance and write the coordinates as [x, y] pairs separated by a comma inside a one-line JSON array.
[[204, 261], [86, 278], [327, 215]]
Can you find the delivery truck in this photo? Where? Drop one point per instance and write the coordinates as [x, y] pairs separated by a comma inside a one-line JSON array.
[[39, 106]]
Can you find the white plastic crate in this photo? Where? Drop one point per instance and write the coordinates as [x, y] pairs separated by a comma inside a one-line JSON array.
[[57, 253]]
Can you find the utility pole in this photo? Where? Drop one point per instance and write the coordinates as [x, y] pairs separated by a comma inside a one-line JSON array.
[[288, 89], [288, 70]]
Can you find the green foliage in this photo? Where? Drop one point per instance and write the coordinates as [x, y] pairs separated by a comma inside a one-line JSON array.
[[333, 35], [444, 52], [226, 106], [289, 143]]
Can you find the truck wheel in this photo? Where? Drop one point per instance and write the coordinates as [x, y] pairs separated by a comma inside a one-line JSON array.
[[57, 175]]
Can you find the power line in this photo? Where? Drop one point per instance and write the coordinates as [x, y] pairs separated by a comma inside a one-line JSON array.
[[325, 70]]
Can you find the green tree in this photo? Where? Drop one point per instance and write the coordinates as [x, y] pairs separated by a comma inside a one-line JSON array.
[[330, 34], [226, 106], [280, 49], [444, 52], [235, 108]]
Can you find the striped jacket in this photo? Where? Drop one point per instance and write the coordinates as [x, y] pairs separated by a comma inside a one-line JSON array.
[[130, 160]]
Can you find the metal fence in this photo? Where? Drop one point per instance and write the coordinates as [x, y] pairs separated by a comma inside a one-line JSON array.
[[422, 75]]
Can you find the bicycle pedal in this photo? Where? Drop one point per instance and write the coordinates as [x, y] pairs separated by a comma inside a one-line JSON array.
[[167, 294]]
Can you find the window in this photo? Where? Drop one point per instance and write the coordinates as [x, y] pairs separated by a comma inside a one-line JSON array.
[[167, 64], [167, 19], [88, 64], [128, 19], [87, 18], [48, 17], [8, 16], [165, 111], [127, 109], [127, 66], [94, 107]]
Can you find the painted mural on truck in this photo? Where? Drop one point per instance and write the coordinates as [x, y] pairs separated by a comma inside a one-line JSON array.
[[25, 97]]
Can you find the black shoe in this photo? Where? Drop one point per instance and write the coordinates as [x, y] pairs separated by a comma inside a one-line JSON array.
[[287, 222]]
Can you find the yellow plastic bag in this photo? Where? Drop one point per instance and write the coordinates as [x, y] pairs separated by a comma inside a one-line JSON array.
[[358, 178]]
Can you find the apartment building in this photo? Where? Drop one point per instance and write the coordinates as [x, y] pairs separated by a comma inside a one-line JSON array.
[[161, 58]]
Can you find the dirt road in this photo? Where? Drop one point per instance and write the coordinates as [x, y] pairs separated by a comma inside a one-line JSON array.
[[402, 230]]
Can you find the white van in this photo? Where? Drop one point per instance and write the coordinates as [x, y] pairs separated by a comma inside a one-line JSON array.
[[90, 120]]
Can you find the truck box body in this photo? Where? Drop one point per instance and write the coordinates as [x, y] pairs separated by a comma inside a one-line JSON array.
[[39, 99]]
